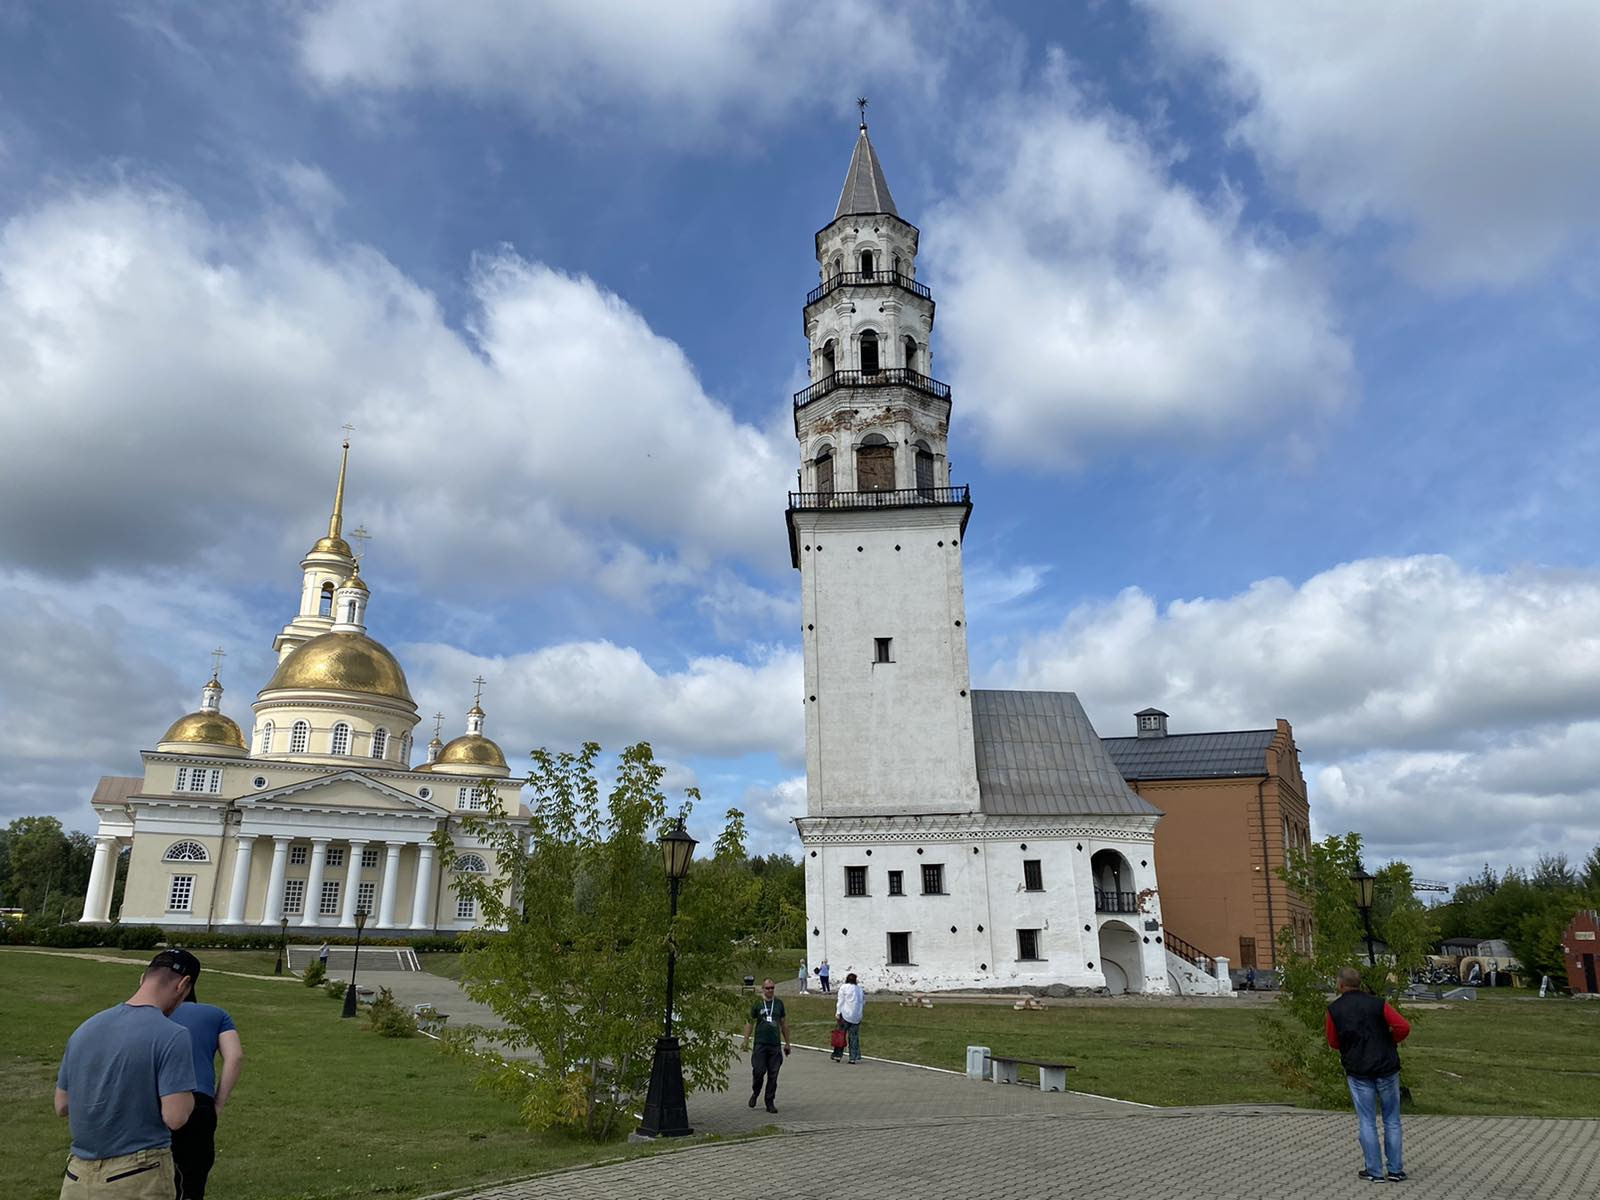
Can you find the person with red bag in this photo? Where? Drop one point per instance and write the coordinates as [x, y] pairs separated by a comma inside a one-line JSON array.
[[849, 1008]]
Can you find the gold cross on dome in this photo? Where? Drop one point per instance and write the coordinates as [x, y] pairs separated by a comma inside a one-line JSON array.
[[480, 681], [361, 536], [438, 723], [217, 656]]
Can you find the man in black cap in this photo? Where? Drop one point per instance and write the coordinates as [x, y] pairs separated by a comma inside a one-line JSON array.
[[194, 1147], [126, 1082]]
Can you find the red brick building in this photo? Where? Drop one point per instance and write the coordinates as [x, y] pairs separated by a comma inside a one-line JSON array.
[[1581, 945]]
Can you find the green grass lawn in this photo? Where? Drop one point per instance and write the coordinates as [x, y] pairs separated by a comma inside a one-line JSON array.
[[326, 1109], [1493, 1055]]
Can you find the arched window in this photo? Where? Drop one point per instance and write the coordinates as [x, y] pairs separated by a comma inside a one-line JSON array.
[[350, 613], [911, 354], [186, 852], [380, 742], [822, 471], [325, 604], [869, 352], [874, 464], [473, 863], [341, 738], [866, 262], [897, 264], [266, 737], [924, 470], [299, 737], [827, 358], [838, 265]]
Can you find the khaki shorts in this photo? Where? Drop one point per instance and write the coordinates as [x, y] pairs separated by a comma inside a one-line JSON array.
[[147, 1175]]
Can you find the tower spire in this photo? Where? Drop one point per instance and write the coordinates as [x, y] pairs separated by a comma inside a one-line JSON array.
[[336, 521], [865, 188]]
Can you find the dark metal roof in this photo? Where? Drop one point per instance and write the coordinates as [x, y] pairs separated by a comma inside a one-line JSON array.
[[1192, 755], [1038, 755], [865, 188]]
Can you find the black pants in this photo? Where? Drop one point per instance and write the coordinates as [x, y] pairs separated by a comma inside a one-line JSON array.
[[194, 1148], [764, 1063]]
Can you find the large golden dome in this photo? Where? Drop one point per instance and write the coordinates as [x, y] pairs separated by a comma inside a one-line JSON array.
[[206, 728], [471, 750], [332, 545], [342, 662]]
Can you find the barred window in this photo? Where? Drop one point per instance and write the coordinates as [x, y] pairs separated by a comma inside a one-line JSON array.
[[369, 859], [335, 856], [380, 742], [182, 893], [1033, 874], [294, 896], [473, 863], [341, 739], [330, 898], [1028, 945], [471, 799], [855, 881], [299, 737], [466, 908], [186, 852], [897, 884], [297, 856], [933, 879], [266, 737], [366, 894]]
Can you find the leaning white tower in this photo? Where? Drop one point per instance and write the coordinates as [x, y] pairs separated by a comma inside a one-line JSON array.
[[876, 527]]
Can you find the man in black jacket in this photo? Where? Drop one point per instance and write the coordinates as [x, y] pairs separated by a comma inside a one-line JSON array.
[[1367, 1032]]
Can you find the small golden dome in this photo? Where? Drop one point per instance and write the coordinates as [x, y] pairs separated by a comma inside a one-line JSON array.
[[342, 662], [471, 750], [355, 581], [206, 728], [331, 545]]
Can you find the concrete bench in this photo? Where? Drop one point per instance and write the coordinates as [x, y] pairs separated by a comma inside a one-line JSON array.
[[1052, 1075]]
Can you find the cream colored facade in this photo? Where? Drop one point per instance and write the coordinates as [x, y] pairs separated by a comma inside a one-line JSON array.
[[320, 813]]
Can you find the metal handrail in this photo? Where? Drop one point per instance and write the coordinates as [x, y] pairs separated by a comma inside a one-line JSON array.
[[888, 377], [1115, 902], [887, 498], [1185, 951], [867, 279]]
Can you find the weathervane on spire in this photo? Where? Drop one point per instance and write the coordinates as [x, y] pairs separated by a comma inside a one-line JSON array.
[[861, 103], [217, 656]]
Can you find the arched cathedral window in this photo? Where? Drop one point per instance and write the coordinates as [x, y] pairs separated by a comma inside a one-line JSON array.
[[341, 738], [472, 863], [299, 737], [380, 742], [924, 470], [186, 852], [869, 352], [866, 262], [267, 731], [325, 604], [911, 354], [875, 464], [827, 358], [822, 472]]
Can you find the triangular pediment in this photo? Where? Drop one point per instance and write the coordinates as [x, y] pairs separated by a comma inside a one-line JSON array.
[[343, 789]]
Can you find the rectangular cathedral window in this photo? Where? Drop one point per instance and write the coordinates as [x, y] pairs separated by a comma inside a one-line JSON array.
[[900, 949], [182, 893], [466, 908], [933, 879], [294, 896], [883, 650], [369, 859], [297, 856], [366, 896], [855, 881], [335, 856], [1033, 875], [330, 898], [1028, 945], [897, 885]]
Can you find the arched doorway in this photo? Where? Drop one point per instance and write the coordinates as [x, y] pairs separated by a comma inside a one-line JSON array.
[[1114, 890], [1119, 958]]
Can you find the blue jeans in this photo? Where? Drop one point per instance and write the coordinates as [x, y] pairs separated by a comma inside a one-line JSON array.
[[1369, 1095]]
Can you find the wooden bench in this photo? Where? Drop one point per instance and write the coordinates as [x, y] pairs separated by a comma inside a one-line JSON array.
[[1052, 1075]]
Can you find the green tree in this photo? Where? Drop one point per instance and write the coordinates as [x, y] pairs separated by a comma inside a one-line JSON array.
[[44, 870], [1295, 1034], [578, 972]]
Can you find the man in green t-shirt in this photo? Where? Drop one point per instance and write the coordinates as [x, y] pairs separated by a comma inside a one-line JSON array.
[[768, 1019]]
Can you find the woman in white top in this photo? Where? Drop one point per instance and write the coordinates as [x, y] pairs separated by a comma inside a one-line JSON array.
[[850, 1005]]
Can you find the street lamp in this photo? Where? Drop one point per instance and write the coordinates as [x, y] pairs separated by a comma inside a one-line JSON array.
[[666, 1112], [350, 991], [1364, 888], [283, 942]]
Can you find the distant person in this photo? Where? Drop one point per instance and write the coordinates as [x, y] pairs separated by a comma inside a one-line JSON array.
[[849, 1008], [322, 957], [801, 979], [1250, 979], [768, 1018], [194, 1147], [822, 973], [1367, 1032], [126, 1082]]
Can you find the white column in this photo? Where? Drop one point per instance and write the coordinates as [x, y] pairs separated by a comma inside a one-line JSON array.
[[352, 884], [391, 885], [97, 900], [272, 912], [422, 894], [242, 850], [319, 864]]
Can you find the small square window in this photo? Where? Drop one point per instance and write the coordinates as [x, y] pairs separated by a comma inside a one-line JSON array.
[[933, 879], [897, 883], [855, 881], [466, 908], [1028, 945], [882, 650], [335, 856], [297, 856], [899, 949], [181, 895], [330, 898], [294, 896], [369, 859], [1033, 875]]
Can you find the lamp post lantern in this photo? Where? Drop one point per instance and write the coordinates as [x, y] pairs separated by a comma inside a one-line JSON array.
[[283, 942], [666, 1110], [350, 991], [1364, 888]]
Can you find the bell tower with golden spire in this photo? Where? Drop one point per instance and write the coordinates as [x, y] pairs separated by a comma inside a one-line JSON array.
[[327, 567]]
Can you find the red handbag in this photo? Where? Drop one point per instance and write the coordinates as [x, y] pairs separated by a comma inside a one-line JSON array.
[[838, 1039]]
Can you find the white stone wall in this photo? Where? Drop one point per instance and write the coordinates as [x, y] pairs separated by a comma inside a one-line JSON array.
[[885, 737]]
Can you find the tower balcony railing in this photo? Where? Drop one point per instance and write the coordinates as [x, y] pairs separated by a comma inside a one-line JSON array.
[[865, 278], [889, 377], [1115, 902], [884, 498]]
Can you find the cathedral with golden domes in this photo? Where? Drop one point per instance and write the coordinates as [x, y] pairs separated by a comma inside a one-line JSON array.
[[319, 813]]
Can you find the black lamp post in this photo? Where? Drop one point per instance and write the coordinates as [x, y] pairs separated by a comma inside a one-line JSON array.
[[350, 992], [666, 1111], [283, 942], [1364, 886]]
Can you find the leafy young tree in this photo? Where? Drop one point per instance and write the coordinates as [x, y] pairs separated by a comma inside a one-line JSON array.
[[45, 869], [578, 974], [1299, 1051]]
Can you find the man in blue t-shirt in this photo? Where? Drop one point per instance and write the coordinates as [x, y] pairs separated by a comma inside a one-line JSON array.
[[126, 1082], [194, 1147]]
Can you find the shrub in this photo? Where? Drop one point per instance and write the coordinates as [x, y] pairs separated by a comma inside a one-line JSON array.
[[388, 1018], [315, 975], [335, 988], [136, 937], [65, 937]]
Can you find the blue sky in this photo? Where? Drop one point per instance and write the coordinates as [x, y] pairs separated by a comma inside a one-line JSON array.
[[1268, 326]]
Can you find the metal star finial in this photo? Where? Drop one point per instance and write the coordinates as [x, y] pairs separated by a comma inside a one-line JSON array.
[[861, 103]]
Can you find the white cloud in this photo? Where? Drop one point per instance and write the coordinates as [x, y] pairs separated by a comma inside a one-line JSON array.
[[683, 68], [1438, 709], [179, 386], [1470, 128], [1085, 296], [770, 810]]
